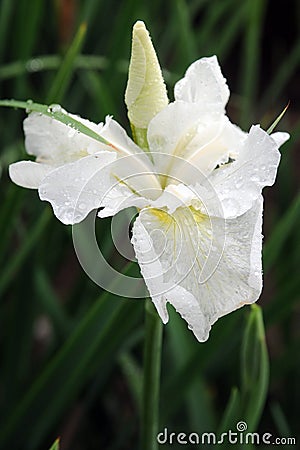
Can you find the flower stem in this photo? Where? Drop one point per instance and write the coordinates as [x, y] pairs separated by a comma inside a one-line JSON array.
[[151, 378]]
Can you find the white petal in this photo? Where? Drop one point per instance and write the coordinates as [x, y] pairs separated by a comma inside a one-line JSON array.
[[280, 137], [178, 131], [204, 83], [77, 188], [134, 165], [120, 197], [117, 136], [182, 135], [55, 143], [204, 267], [240, 183], [28, 174]]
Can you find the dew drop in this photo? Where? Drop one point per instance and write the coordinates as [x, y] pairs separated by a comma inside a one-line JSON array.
[[71, 132], [29, 103], [34, 65], [54, 108]]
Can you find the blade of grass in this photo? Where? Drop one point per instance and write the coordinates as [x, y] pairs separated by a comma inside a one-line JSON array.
[[280, 420], [55, 446], [95, 86], [186, 38], [214, 350], [49, 395], [254, 369], [285, 72], [15, 263], [277, 120], [281, 233], [63, 76], [195, 395], [133, 374], [231, 32], [7, 7], [250, 70], [56, 113], [232, 412], [50, 303]]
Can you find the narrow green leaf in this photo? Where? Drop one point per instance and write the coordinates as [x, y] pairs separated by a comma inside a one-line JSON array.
[[281, 233], [280, 419], [49, 301], [99, 335], [63, 76], [151, 378], [133, 374], [277, 120], [286, 69], [55, 446], [251, 59], [44, 63], [16, 261], [231, 414], [7, 7], [254, 369], [56, 113], [186, 36], [215, 350]]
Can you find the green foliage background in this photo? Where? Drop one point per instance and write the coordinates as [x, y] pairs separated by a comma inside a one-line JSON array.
[[71, 355]]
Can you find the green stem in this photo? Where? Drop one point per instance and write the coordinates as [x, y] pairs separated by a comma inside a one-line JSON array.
[[151, 378]]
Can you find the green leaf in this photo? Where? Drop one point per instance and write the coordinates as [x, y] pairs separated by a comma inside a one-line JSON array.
[[254, 369], [232, 412], [56, 113], [63, 76], [277, 120], [282, 231], [26, 246], [55, 446], [97, 338], [151, 378]]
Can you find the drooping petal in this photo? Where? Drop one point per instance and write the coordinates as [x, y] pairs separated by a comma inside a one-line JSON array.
[[28, 174], [239, 184], [55, 143], [77, 188], [205, 267], [204, 83]]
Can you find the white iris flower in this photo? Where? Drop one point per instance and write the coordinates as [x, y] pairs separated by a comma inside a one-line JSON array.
[[196, 180]]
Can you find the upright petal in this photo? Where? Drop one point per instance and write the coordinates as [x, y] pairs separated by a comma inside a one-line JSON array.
[[205, 267], [204, 83], [183, 132], [239, 184]]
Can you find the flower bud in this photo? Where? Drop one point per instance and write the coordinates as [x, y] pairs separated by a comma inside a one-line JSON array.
[[146, 93]]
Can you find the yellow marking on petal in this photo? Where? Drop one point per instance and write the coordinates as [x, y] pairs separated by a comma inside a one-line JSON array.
[[197, 215], [162, 216]]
